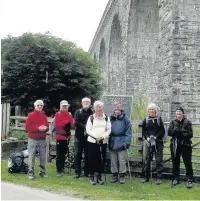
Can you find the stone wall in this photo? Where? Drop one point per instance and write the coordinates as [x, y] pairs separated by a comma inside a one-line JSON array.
[[186, 57], [142, 53]]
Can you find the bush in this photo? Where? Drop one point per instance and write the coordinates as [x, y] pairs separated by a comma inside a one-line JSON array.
[[21, 135]]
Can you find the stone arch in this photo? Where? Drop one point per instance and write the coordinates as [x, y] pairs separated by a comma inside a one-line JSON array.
[[142, 48], [115, 47]]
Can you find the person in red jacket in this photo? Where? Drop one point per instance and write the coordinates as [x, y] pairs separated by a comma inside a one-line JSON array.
[[63, 123], [37, 126]]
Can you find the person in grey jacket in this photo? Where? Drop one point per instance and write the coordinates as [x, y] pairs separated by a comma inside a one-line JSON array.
[[119, 142]]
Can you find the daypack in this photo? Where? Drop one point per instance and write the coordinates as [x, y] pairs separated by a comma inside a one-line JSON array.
[[16, 163], [92, 118], [53, 127]]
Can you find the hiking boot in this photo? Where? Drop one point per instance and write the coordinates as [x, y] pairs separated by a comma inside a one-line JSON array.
[[43, 175], [145, 180], [31, 176], [159, 181], [91, 180], [175, 182], [121, 178], [76, 176], [99, 179], [59, 174], [114, 178], [189, 184]]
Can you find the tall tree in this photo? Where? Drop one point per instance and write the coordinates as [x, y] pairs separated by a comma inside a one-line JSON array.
[[37, 66]]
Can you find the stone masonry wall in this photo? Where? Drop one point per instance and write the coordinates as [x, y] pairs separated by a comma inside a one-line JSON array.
[[143, 59], [186, 57]]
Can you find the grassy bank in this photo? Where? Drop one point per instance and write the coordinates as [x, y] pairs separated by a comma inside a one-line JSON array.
[[80, 188]]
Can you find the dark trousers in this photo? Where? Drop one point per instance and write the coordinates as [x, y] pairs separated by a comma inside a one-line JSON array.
[[80, 147], [96, 157], [61, 151], [186, 152], [158, 158]]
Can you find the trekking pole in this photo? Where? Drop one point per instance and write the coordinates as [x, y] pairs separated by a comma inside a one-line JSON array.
[[129, 169], [101, 151], [151, 164]]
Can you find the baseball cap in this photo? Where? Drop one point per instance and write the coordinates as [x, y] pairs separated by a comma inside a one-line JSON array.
[[181, 109], [64, 102]]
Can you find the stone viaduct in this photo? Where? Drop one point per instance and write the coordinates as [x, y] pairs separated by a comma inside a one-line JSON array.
[[152, 48]]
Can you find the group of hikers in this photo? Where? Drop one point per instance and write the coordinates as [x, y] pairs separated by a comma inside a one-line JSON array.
[[95, 132]]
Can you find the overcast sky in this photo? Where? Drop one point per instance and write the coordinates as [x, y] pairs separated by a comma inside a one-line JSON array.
[[74, 20]]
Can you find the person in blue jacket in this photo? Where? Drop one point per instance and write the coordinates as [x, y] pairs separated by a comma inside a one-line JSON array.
[[119, 142]]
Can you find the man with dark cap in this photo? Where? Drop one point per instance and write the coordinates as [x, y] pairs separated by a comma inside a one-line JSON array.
[[181, 132]]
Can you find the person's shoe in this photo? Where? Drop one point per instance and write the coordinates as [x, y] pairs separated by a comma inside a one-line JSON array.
[[189, 184], [114, 178], [91, 180], [31, 176], [85, 174], [175, 182], [43, 175], [59, 174], [99, 180], [76, 176], [145, 180], [121, 178], [159, 179]]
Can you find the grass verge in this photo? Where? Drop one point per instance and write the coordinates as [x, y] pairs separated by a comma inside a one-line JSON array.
[[131, 190]]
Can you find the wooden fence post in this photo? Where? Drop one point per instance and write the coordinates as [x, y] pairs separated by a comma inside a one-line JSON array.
[[7, 119]]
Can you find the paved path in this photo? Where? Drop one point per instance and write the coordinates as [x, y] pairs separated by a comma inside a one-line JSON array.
[[11, 191]]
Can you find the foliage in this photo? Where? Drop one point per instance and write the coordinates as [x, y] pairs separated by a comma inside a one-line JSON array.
[[139, 108], [131, 190], [37, 66], [21, 135]]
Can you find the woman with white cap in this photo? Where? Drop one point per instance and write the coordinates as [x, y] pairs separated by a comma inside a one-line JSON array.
[[98, 128], [153, 131], [63, 123]]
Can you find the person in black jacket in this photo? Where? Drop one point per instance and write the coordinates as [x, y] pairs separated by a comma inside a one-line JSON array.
[[153, 130], [181, 132], [81, 117]]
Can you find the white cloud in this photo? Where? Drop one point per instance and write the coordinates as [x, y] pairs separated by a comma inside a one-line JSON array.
[[74, 20]]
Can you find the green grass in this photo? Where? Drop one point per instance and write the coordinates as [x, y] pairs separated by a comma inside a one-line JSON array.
[[131, 190]]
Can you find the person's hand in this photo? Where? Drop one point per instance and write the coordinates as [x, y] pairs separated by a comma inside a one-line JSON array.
[[100, 138], [148, 139], [42, 128]]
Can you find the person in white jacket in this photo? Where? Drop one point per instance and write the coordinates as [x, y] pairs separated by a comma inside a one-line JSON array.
[[98, 129]]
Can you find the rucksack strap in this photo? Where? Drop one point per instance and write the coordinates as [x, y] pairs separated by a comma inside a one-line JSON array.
[[92, 118]]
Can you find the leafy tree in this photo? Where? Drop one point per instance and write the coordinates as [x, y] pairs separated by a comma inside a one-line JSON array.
[[37, 66]]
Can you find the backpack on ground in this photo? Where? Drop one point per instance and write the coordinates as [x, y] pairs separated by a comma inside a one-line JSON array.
[[16, 163]]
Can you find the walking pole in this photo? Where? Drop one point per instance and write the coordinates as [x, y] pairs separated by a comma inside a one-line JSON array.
[[129, 169], [101, 151]]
